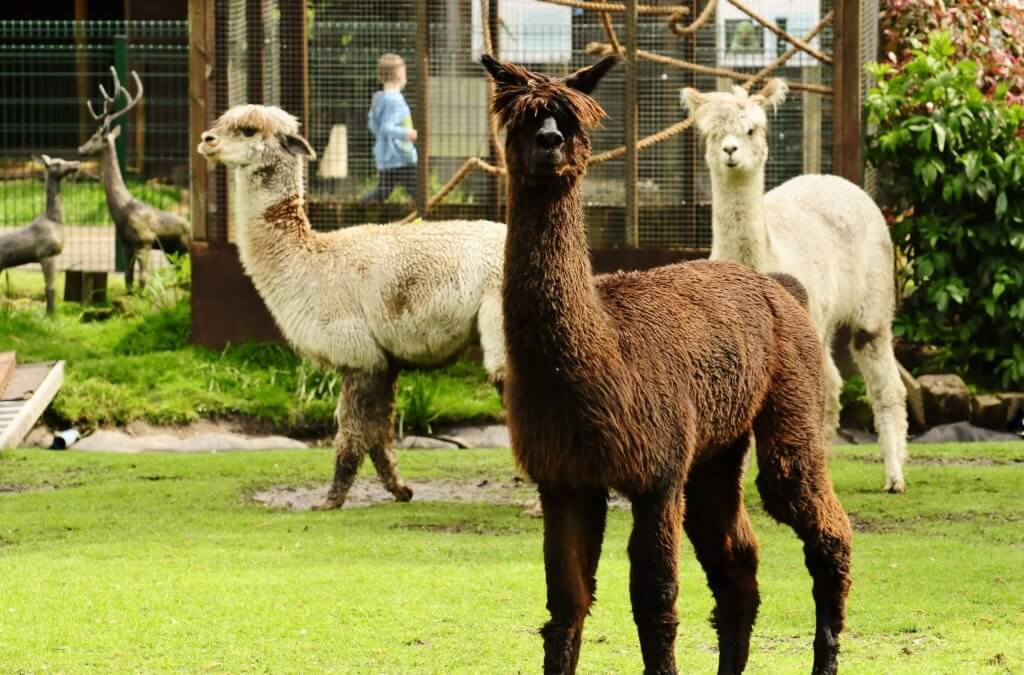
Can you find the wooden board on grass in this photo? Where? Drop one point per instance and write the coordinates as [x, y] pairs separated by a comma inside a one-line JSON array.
[[22, 402], [8, 362]]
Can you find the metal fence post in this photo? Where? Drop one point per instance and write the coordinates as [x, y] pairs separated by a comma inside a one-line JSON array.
[[120, 145]]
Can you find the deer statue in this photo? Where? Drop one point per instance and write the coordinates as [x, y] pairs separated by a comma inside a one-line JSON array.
[[140, 226], [42, 240]]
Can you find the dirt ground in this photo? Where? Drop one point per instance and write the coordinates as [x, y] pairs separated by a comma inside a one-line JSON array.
[[369, 492]]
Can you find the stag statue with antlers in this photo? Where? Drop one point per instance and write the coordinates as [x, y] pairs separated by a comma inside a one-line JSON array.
[[140, 226]]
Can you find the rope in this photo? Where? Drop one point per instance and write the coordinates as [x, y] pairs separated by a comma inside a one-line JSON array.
[[643, 143], [642, 10], [467, 166], [698, 23], [788, 54], [492, 122], [606, 21]]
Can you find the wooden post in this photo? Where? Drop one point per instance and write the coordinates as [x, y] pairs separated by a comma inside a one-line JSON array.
[[295, 63], [496, 183], [422, 122], [631, 174], [812, 121], [847, 150], [255, 12], [200, 61]]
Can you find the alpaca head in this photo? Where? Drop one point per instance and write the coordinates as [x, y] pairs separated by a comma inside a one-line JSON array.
[[547, 119], [251, 137], [56, 168], [734, 126]]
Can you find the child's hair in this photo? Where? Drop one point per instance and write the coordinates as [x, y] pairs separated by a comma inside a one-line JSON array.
[[388, 66]]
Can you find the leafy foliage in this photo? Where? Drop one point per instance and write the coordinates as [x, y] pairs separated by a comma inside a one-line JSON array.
[[988, 32], [952, 159]]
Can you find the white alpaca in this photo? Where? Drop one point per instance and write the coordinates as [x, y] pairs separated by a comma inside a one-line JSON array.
[[366, 300], [823, 230]]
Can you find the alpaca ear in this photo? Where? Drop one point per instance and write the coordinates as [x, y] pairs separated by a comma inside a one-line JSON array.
[[45, 159], [586, 79], [296, 145], [499, 73], [692, 99], [773, 93], [115, 132]]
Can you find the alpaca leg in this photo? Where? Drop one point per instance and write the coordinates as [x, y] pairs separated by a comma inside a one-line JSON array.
[[359, 428], [142, 255], [717, 525], [380, 414], [574, 520], [653, 579], [796, 490], [49, 266], [877, 363], [833, 389], [492, 338]]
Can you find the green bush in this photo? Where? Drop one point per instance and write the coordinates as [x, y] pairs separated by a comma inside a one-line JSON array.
[[952, 163]]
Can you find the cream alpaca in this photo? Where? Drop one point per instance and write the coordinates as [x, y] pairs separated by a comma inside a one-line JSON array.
[[366, 300], [823, 230]]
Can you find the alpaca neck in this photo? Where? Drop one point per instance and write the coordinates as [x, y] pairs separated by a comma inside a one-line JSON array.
[[113, 183], [558, 323], [54, 209], [738, 226], [271, 224]]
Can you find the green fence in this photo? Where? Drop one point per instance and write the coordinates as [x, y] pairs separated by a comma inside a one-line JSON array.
[[47, 71]]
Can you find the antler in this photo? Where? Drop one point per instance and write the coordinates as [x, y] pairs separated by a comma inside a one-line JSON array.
[[106, 116]]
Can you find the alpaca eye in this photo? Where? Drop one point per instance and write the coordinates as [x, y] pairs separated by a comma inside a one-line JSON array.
[[750, 131], [248, 131]]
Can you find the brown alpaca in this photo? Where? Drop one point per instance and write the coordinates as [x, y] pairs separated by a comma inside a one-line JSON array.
[[651, 383]]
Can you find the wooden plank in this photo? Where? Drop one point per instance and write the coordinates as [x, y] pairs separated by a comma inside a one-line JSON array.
[[847, 151], [422, 121], [8, 362], [812, 121], [255, 12], [200, 59], [631, 173], [35, 404]]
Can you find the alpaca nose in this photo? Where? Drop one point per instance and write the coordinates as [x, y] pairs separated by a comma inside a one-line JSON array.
[[549, 137], [729, 148], [209, 138]]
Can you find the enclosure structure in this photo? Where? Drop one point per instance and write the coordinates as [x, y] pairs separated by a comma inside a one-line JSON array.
[[647, 192], [48, 70]]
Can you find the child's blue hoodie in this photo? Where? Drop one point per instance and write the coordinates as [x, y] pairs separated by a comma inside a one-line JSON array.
[[390, 121]]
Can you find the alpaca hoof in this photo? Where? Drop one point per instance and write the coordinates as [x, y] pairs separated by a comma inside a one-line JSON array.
[[893, 486], [402, 493], [332, 503]]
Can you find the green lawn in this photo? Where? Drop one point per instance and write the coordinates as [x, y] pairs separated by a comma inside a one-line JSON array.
[[139, 365], [160, 563], [84, 202]]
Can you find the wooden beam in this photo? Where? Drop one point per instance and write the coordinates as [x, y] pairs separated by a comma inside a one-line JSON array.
[[200, 64], [8, 362], [631, 174], [847, 149], [422, 122], [36, 384], [255, 35]]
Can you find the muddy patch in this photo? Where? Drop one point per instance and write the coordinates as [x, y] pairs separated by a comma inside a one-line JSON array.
[[369, 492]]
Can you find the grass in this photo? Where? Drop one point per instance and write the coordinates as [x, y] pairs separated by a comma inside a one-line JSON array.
[[84, 202], [139, 366], [160, 563]]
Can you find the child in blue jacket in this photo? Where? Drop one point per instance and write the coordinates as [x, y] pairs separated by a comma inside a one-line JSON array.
[[390, 120]]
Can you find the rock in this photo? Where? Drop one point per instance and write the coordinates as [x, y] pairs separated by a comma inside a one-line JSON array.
[[915, 399], [117, 441], [946, 399], [995, 411], [39, 437], [856, 436], [425, 443], [963, 432], [489, 436]]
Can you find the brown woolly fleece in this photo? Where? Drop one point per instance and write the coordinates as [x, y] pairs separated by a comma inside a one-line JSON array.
[[652, 383]]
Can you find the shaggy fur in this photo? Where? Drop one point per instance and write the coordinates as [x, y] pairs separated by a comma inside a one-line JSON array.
[[43, 239], [366, 300], [823, 230], [650, 383]]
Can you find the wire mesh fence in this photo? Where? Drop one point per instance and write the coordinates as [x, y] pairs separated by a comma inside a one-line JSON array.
[[48, 69], [341, 41]]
